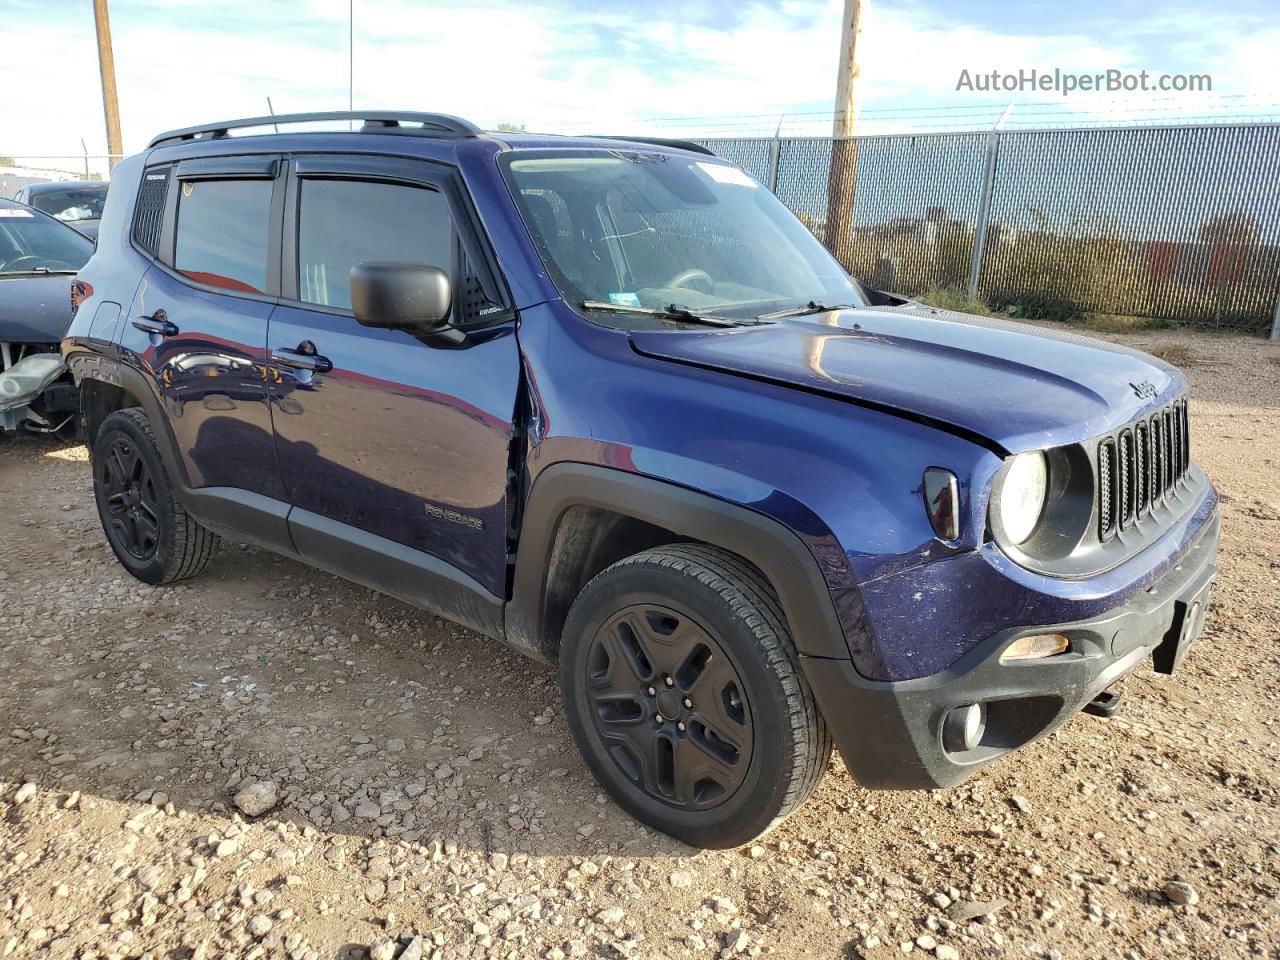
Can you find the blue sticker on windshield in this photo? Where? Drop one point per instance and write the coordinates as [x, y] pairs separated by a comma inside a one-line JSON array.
[[624, 299]]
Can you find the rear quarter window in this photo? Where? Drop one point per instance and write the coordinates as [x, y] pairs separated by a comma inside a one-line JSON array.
[[148, 214]]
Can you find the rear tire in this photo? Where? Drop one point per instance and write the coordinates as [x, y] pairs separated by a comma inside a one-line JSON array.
[[152, 536], [685, 695]]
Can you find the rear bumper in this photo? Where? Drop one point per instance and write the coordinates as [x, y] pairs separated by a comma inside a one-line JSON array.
[[890, 732]]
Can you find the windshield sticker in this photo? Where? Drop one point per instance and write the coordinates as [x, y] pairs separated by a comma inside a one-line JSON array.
[[624, 299], [15, 212], [722, 173]]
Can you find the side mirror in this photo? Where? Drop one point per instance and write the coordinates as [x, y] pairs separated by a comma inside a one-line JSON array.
[[402, 296]]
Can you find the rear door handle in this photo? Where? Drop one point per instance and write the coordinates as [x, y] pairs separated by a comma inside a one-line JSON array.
[[301, 361], [158, 323]]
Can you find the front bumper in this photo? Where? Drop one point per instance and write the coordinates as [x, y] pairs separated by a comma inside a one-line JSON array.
[[26, 382], [890, 733]]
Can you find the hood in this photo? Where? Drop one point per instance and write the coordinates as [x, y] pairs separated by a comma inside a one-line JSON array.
[[35, 308], [1015, 386], [88, 227]]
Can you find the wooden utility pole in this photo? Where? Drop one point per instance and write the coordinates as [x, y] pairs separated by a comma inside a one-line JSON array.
[[844, 160], [107, 67], [847, 78]]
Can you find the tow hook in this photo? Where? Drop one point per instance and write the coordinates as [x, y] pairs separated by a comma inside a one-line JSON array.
[[1105, 704]]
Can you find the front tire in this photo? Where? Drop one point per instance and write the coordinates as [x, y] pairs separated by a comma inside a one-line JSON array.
[[152, 536], [685, 695]]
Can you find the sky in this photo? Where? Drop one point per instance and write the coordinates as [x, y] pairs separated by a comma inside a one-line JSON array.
[[674, 67]]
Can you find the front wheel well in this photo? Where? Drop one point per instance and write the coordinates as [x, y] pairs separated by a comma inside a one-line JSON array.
[[589, 540], [580, 518]]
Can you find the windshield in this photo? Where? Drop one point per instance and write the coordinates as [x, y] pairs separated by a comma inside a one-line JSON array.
[[71, 203], [31, 243], [655, 230]]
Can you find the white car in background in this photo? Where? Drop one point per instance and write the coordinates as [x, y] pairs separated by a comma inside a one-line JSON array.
[[39, 258]]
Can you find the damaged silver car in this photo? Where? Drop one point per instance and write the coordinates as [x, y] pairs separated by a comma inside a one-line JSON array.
[[39, 258]]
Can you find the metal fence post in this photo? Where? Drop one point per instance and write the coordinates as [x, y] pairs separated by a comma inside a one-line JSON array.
[[1275, 323], [984, 214], [775, 150]]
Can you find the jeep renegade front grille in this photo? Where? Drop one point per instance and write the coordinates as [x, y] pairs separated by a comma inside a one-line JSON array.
[[1140, 466]]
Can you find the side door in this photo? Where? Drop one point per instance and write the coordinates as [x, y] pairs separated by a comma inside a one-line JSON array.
[[198, 323], [394, 451]]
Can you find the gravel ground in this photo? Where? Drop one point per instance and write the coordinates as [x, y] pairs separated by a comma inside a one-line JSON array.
[[270, 762]]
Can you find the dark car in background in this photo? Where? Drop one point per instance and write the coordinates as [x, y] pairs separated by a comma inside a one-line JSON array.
[[77, 203], [39, 257]]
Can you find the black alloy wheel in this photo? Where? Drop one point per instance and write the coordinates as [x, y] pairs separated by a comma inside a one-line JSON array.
[[686, 696], [671, 707], [148, 529], [132, 517]]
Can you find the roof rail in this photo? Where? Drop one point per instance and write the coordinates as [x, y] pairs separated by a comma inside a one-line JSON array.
[[666, 142], [429, 125]]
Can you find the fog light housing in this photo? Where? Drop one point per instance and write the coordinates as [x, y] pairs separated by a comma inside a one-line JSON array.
[[963, 727], [1035, 647]]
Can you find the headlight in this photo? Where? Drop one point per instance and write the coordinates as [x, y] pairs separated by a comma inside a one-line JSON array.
[[1022, 495], [26, 379]]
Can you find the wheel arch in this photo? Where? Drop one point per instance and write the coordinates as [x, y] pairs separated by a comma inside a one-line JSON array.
[[581, 518], [108, 385], [98, 400]]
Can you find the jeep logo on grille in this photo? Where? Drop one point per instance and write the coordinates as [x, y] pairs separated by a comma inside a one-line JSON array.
[[1145, 389]]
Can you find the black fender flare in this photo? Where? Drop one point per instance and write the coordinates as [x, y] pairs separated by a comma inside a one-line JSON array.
[[772, 547], [88, 365]]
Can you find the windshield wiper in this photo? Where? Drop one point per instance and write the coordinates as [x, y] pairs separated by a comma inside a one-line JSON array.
[[672, 312], [33, 270], [811, 307]]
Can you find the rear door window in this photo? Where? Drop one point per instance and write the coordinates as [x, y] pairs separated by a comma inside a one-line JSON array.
[[222, 233], [345, 222]]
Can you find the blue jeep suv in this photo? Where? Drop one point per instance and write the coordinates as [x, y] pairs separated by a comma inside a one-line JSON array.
[[609, 402]]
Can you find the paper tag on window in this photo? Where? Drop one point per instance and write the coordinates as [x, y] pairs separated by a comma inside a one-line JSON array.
[[722, 173], [624, 299], [15, 212]]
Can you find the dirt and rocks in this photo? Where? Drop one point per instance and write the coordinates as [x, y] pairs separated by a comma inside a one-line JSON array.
[[271, 762]]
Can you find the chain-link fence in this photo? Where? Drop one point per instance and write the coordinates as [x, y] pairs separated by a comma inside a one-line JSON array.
[[1175, 223]]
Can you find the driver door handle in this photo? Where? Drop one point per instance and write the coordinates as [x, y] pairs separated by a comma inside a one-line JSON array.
[[158, 323], [301, 361]]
